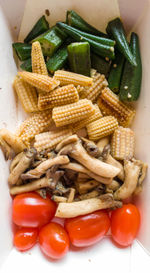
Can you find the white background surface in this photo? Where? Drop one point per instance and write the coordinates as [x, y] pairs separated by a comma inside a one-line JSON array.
[[104, 256]]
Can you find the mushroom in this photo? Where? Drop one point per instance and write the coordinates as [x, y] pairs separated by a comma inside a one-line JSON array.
[[69, 210], [31, 186], [66, 141], [91, 148], [13, 141], [60, 189], [71, 195], [102, 143], [6, 149], [89, 195], [70, 177], [98, 167], [132, 171], [22, 165], [59, 199], [44, 166], [55, 176], [142, 176], [80, 169], [86, 186], [15, 161], [107, 158], [42, 192], [113, 186], [110, 160]]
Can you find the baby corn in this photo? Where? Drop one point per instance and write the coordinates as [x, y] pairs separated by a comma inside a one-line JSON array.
[[71, 113], [66, 77], [38, 62], [122, 143], [77, 126], [91, 93], [34, 125], [102, 127], [58, 97], [27, 95], [42, 82], [109, 103], [49, 140]]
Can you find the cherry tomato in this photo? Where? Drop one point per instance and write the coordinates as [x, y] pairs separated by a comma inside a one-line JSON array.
[[125, 224], [31, 210], [25, 238], [54, 241], [88, 229]]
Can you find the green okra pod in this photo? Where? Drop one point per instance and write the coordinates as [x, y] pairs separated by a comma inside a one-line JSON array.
[[100, 64], [27, 65], [22, 50], [79, 58], [132, 75], [115, 74], [75, 20], [40, 27], [116, 30], [58, 60], [50, 40], [98, 48]]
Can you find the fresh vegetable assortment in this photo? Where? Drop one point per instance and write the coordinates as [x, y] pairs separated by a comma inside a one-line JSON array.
[[75, 77]]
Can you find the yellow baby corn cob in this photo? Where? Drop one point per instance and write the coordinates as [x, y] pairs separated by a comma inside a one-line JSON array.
[[66, 77], [80, 124], [72, 113], [38, 62], [122, 143], [109, 103], [50, 139], [60, 96], [42, 82], [34, 125], [27, 95], [102, 127], [91, 93]]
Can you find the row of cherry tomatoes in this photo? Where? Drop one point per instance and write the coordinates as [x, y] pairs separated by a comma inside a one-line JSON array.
[[33, 214]]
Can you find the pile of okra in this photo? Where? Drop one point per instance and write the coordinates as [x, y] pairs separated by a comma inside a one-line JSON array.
[[77, 46]]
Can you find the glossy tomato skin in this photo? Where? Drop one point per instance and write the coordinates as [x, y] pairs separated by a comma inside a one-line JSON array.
[[31, 210], [54, 241], [125, 223], [25, 238], [88, 229]]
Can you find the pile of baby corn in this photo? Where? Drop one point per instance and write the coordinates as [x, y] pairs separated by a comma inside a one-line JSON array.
[[61, 105], [71, 101]]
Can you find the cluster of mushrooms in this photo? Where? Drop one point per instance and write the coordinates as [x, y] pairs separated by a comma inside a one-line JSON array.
[[81, 176]]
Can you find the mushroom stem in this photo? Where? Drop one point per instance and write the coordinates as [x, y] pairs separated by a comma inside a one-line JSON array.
[[110, 160], [80, 169], [141, 178], [132, 172], [15, 161], [98, 167], [13, 141], [66, 141], [31, 186], [23, 164], [86, 186], [6, 149], [69, 210], [44, 166]]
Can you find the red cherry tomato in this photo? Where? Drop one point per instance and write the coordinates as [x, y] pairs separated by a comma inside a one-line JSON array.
[[125, 223], [88, 229], [54, 241], [31, 210], [25, 238]]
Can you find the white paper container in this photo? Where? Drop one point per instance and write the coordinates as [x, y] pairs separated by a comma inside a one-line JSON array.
[[104, 256]]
